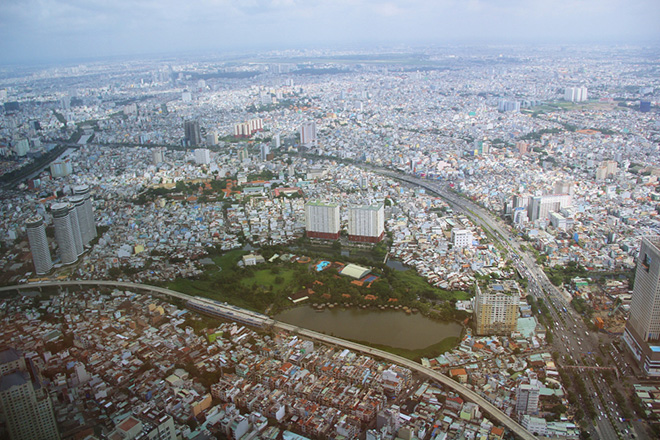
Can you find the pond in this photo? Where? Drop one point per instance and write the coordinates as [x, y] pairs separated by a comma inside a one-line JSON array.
[[393, 328]]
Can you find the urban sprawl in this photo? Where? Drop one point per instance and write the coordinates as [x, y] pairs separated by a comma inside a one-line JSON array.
[[522, 187]]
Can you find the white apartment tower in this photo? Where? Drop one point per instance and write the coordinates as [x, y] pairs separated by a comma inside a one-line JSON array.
[[540, 207], [157, 155], [527, 395], [366, 223], [322, 220], [606, 170], [642, 332], [36, 232], [202, 156], [85, 213], [461, 238], [308, 134], [575, 94], [66, 236]]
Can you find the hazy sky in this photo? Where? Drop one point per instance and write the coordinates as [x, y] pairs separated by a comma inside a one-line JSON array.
[[32, 30]]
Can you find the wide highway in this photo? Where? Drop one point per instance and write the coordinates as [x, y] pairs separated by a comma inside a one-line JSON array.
[[572, 338]]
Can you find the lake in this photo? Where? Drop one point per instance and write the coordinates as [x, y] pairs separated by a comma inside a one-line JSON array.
[[394, 328]]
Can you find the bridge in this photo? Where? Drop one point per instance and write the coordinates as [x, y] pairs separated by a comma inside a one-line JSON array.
[[589, 367], [462, 390]]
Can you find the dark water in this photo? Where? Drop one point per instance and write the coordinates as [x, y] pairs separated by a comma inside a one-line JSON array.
[[396, 265], [387, 327]]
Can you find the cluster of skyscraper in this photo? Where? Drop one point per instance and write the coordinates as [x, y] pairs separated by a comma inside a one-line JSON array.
[[247, 129], [575, 94], [74, 229], [365, 223]]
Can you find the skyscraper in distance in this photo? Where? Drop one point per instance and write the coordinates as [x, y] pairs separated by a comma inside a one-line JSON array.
[[202, 156], [642, 332], [308, 134], [192, 133], [36, 232]]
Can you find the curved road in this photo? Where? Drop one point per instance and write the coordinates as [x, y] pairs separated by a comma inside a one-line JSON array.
[[467, 393]]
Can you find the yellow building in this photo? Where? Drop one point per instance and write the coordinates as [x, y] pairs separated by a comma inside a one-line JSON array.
[[496, 308]]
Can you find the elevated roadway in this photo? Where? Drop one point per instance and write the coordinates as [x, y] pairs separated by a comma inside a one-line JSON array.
[[495, 413]]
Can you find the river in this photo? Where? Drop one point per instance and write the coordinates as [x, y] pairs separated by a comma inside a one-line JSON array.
[[386, 327]]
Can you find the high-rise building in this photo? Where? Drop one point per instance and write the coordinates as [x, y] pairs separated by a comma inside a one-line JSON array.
[[243, 154], [75, 224], [496, 308], [308, 134], [265, 151], [202, 156], [61, 167], [527, 395], [85, 213], [461, 238], [366, 223], [540, 207], [564, 187], [505, 105], [575, 94], [157, 155], [322, 220], [192, 133], [65, 234], [606, 169], [642, 332], [24, 400], [212, 138], [248, 128], [21, 147], [36, 232]]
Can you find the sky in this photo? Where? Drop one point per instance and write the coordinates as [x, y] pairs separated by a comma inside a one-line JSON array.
[[61, 30]]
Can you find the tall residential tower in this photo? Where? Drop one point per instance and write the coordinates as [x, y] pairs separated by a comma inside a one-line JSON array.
[[496, 308], [24, 400], [85, 213], [366, 223], [322, 220], [67, 232], [642, 333], [36, 232]]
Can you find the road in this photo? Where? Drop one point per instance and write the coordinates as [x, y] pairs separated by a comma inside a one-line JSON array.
[[574, 341], [495, 414]]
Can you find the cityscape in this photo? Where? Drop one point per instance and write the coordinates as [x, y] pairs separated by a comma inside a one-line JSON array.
[[377, 240]]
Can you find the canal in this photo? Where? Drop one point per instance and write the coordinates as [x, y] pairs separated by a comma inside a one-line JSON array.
[[393, 328]]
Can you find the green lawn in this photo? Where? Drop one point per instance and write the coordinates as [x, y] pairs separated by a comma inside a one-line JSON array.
[[229, 260], [267, 279]]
